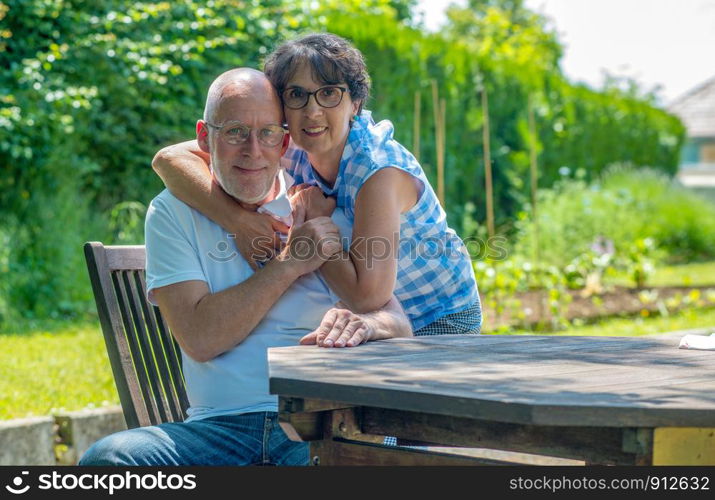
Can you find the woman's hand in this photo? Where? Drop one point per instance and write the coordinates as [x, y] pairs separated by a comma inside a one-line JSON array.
[[309, 202], [311, 244], [340, 328]]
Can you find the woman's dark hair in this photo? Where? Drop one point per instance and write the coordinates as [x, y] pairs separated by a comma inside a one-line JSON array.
[[332, 58]]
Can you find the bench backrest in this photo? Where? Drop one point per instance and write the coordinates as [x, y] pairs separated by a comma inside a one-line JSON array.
[[145, 359]]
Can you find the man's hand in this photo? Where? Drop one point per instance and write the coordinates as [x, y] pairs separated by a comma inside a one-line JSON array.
[[257, 237], [311, 243], [340, 328], [309, 202]]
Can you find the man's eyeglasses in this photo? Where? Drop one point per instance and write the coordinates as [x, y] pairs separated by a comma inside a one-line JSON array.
[[327, 97], [234, 133]]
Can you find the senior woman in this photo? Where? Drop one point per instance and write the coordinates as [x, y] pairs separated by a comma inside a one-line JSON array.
[[400, 242]]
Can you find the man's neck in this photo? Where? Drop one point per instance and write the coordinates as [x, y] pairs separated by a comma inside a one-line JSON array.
[[271, 196]]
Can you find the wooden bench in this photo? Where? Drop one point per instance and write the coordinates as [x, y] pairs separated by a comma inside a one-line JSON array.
[[145, 359]]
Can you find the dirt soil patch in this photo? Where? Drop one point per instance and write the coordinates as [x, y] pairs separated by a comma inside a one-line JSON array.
[[534, 305]]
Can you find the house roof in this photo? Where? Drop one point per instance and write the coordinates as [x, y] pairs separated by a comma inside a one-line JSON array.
[[697, 109]]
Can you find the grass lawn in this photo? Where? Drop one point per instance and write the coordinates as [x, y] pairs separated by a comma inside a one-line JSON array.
[[59, 366], [697, 274], [64, 366]]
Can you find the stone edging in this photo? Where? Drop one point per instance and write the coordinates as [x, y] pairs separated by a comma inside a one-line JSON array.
[[56, 440]]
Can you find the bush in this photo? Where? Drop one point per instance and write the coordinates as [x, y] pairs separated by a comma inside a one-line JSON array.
[[624, 207]]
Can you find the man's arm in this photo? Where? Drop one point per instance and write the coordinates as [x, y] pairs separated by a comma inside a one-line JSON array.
[[341, 327], [184, 169], [208, 324]]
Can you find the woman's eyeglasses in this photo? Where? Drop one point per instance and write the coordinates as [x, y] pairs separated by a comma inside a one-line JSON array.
[[327, 97]]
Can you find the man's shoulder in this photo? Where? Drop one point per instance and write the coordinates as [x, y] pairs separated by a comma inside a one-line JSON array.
[[167, 201], [169, 216], [166, 205]]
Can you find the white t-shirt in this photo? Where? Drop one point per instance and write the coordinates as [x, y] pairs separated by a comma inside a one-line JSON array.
[[182, 245]]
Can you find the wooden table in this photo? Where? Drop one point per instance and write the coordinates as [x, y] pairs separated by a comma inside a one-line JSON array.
[[603, 400]]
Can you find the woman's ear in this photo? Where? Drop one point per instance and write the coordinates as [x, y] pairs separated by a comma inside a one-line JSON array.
[[202, 136]]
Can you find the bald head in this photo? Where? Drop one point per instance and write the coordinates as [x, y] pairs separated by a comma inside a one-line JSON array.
[[246, 83]]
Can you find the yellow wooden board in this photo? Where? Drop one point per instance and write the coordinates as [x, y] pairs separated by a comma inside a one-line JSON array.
[[684, 446]]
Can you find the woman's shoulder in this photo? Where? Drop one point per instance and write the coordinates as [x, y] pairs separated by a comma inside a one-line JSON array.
[[295, 162], [370, 135], [374, 147]]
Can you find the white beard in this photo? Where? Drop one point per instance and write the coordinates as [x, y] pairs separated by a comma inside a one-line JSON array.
[[240, 197]]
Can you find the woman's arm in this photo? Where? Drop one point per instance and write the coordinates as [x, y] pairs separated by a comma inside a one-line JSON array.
[[184, 168], [365, 278]]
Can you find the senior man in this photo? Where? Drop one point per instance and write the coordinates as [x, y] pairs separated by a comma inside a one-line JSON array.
[[224, 314]]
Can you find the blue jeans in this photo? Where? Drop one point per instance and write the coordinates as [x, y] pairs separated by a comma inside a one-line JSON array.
[[248, 439]]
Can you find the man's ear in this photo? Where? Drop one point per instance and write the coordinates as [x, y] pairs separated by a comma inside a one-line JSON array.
[[286, 141], [202, 136]]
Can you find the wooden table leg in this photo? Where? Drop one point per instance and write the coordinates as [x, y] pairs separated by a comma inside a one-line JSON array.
[[684, 446]]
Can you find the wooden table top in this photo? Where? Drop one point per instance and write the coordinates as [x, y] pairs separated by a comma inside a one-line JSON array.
[[530, 379]]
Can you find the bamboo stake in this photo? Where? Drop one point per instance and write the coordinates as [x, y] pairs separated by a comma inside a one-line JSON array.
[[534, 179], [438, 139], [416, 126], [542, 305], [487, 164], [440, 163]]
